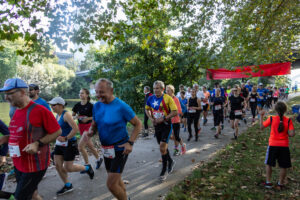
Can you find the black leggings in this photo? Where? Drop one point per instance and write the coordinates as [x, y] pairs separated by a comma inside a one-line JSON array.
[[253, 107], [176, 131], [193, 118], [145, 121]]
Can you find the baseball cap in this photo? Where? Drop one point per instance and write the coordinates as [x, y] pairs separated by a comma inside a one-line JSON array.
[[34, 86], [260, 84], [57, 100], [13, 83]]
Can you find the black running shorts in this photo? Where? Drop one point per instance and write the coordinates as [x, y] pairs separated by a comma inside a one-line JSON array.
[[117, 164], [163, 132], [281, 154]]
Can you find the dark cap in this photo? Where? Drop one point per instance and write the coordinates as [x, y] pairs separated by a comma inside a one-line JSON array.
[[34, 86]]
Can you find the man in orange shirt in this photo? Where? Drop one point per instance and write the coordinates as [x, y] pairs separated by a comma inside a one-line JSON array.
[[281, 129]]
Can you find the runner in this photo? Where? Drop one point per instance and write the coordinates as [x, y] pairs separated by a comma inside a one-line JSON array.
[[278, 149], [147, 95], [235, 104], [275, 95], [83, 112], [245, 95], [261, 97], [200, 96], [253, 102], [269, 94], [110, 118], [176, 123], [205, 104], [66, 146], [34, 91], [188, 93], [181, 89], [183, 101], [194, 107], [286, 92], [31, 129], [160, 110], [4, 147], [217, 102]]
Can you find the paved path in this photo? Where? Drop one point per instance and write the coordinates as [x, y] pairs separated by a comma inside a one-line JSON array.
[[143, 168]]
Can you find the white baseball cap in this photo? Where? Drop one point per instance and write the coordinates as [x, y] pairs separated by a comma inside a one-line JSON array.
[[57, 100], [260, 84]]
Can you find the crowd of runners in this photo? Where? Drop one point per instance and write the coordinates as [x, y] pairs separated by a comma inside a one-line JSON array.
[[33, 127]]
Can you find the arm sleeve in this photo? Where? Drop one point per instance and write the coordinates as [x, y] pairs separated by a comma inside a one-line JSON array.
[[267, 122], [3, 128]]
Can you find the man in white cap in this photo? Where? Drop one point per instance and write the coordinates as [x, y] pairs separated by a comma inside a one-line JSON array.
[[31, 129]]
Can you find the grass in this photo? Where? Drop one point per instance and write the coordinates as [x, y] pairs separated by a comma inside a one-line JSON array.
[[238, 171]]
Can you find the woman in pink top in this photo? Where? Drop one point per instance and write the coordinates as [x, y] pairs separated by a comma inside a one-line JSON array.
[[176, 122], [275, 95]]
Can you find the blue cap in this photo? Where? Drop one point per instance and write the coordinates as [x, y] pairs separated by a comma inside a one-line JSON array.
[[13, 83]]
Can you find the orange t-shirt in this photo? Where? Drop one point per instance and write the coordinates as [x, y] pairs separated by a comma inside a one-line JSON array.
[[176, 119], [279, 139]]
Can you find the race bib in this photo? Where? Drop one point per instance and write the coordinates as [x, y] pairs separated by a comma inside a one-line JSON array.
[[63, 144], [252, 100], [192, 111], [269, 95], [14, 150], [158, 114], [108, 152], [261, 97], [218, 107], [237, 112]]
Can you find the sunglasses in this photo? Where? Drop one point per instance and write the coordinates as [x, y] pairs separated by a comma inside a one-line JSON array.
[[52, 105]]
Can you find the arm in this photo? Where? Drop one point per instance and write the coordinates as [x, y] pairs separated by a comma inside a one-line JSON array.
[[148, 113], [68, 118], [291, 133], [199, 104], [137, 127], [262, 113]]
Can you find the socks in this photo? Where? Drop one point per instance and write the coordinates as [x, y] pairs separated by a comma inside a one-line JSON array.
[[164, 161], [168, 156], [68, 184]]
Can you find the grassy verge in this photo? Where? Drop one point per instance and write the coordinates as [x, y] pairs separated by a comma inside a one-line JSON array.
[[238, 171]]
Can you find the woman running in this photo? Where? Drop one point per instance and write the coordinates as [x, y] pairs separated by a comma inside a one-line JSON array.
[[176, 123], [66, 146], [183, 101], [217, 102], [236, 108], [194, 107], [275, 95], [83, 112], [278, 149], [253, 102]]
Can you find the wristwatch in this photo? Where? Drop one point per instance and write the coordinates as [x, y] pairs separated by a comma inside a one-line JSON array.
[[40, 143], [131, 143]]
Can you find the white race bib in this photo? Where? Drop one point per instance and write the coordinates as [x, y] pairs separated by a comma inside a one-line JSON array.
[[192, 111], [108, 151], [237, 112], [261, 97], [252, 100], [63, 144], [218, 107], [14, 150], [269, 95], [158, 114]]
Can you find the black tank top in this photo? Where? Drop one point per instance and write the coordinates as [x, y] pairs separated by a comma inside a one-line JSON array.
[[193, 102], [253, 97]]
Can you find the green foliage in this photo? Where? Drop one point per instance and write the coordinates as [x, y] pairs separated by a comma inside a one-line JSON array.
[[282, 81]]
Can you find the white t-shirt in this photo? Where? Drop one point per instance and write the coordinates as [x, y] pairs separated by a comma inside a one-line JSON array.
[[200, 95]]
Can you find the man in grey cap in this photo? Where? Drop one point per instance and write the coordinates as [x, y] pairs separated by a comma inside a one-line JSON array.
[[31, 129]]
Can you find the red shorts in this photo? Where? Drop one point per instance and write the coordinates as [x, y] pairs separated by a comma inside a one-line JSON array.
[[84, 127]]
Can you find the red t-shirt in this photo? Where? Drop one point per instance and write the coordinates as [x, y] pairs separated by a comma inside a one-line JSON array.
[[279, 139], [42, 121], [176, 119]]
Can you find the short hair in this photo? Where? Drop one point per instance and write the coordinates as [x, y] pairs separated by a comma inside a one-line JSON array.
[[181, 85], [162, 85], [147, 87], [182, 92], [107, 81], [171, 87], [203, 87], [195, 85]]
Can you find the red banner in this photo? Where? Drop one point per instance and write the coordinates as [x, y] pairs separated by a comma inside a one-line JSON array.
[[274, 69]]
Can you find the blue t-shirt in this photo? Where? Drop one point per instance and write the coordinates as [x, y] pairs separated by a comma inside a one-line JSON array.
[[111, 120], [183, 104], [43, 103], [222, 92], [249, 87], [65, 127], [261, 93]]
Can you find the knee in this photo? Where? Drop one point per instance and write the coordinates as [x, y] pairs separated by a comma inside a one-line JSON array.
[[111, 185], [81, 147], [68, 168], [162, 149]]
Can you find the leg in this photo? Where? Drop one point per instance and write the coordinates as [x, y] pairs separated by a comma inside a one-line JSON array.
[[190, 121], [236, 127], [116, 186], [59, 161], [268, 173], [36, 196], [92, 148], [282, 175], [81, 148], [196, 125], [145, 121], [69, 166]]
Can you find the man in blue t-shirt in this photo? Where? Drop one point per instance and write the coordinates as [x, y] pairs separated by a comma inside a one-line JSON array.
[[34, 91], [110, 117]]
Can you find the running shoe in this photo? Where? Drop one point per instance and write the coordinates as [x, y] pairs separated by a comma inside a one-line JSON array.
[[183, 148], [245, 121], [182, 126], [268, 185], [204, 121], [176, 152], [171, 166], [279, 186], [190, 137], [90, 171], [184, 130], [216, 136], [213, 128], [199, 131], [65, 190], [98, 163], [163, 175]]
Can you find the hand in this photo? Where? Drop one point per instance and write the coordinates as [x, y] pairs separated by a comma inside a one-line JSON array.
[[153, 121], [89, 133], [262, 112], [61, 138], [84, 120], [159, 120], [32, 148], [127, 148]]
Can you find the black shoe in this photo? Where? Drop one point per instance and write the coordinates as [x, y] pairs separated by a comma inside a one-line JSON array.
[[90, 171], [190, 137], [245, 121], [65, 190], [216, 136], [204, 121], [171, 166], [98, 163], [196, 139]]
